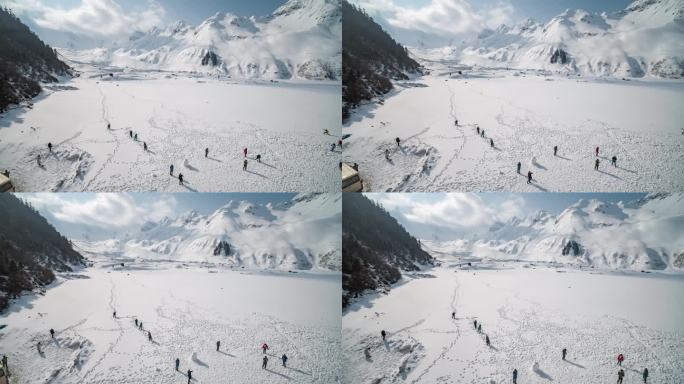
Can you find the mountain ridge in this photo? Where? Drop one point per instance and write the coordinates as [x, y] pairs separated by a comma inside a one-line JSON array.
[[299, 40], [31, 250], [637, 235], [287, 236], [644, 39]]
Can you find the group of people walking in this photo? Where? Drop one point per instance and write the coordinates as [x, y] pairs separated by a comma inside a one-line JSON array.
[[139, 325], [481, 133], [564, 353]]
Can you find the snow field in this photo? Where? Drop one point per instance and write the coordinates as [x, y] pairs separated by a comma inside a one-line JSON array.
[[187, 310], [525, 115], [530, 315], [178, 117]]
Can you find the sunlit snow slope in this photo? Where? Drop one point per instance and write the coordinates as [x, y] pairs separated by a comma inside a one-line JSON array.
[[646, 38], [639, 235], [298, 235], [301, 39]]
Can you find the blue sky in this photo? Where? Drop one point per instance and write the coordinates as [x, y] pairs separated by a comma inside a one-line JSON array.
[[93, 23], [102, 214], [457, 215]]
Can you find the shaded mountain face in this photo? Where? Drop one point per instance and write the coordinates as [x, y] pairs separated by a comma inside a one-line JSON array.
[[645, 39], [376, 248], [301, 40], [639, 235], [370, 59], [30, 249], [302, 234], [25, 61]]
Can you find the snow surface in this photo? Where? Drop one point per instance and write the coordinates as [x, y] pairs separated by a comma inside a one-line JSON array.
[[187, 308], [642, 235], [526, 113], [178, 116], [530, 313], [302, 234]]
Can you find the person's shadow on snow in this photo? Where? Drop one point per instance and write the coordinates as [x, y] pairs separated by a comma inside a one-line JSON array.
[[191, 189], [539, 187], [610, 174], [564, 158], [539, 166], [214, 159], [575, 364], [267, 164], [278, 373], [625, 169], [227, 354], [199, 362], [541, 373], [299, 371]]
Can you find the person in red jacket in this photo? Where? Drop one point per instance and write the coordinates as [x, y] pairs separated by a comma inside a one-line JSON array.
[[597, 151], [245, 152], [264, 347], [621, 358]]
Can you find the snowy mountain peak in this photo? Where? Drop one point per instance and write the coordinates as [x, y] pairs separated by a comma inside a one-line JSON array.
[[242, 234], [644, 39], [639, 235], [302, 39], [307, 14]]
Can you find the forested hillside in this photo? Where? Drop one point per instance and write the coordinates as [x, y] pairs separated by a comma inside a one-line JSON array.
[[370, 58], [375, 247], [30, 249], [25, 61]]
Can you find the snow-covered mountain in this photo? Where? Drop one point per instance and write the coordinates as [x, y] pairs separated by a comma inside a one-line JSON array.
[[301, 234], [646, 38], [301, 39], [646, 234]]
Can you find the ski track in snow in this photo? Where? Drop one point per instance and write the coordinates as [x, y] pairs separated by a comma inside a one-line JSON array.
[[177, 118], [526, 117], [523, 330]]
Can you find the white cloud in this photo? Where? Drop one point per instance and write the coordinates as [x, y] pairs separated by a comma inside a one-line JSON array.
[[102, 210], [103, 18], [448, 18], [450, 211]]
